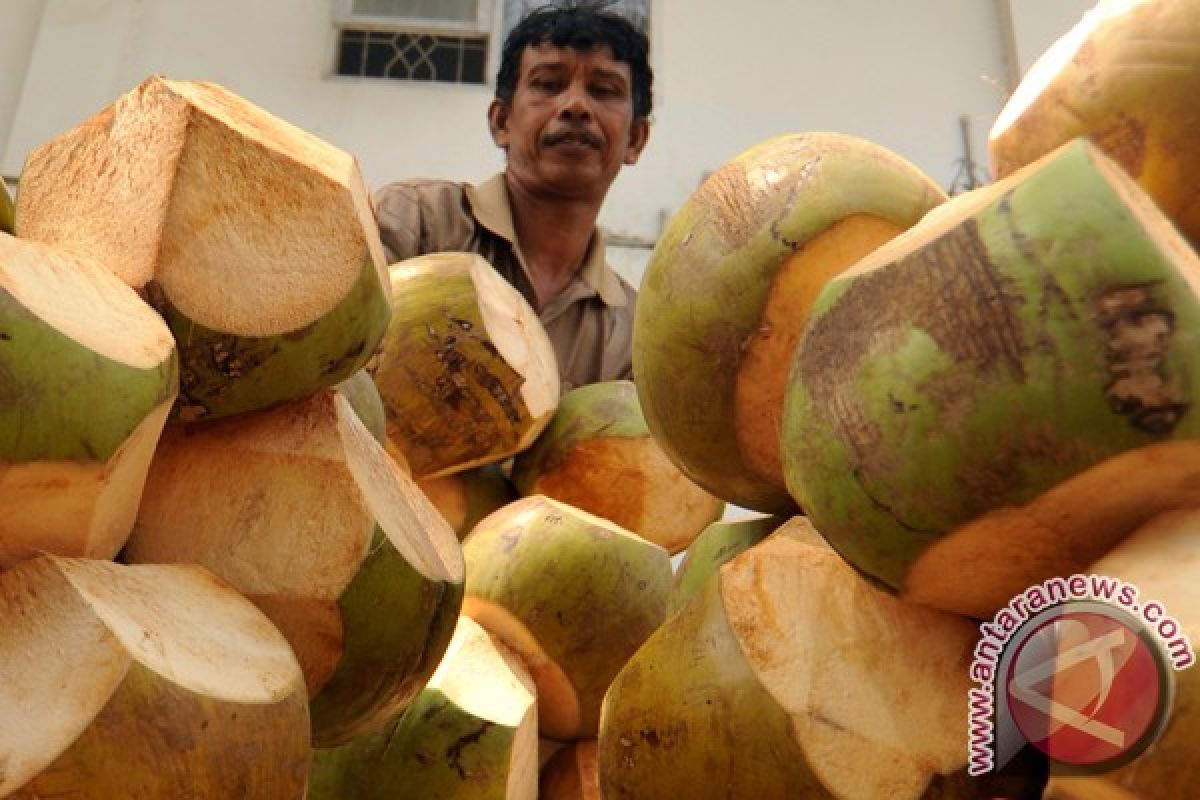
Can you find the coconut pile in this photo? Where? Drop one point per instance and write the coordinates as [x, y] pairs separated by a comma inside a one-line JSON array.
[[281, 520]]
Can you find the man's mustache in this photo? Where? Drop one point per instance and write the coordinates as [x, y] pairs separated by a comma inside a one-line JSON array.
[[584, 137]]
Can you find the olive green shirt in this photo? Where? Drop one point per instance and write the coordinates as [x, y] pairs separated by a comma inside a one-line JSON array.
[[590, 323]]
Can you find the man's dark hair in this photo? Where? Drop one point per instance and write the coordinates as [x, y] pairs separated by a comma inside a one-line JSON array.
[[580, 25]]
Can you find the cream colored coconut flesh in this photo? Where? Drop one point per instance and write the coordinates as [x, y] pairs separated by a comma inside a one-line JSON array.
[[178, 622], [78, 297], [216, 201], [298, 572], [94, 505], [483, 677], [868, 732]]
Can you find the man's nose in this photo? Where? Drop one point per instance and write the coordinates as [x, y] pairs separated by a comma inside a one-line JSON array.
[[575, 102]]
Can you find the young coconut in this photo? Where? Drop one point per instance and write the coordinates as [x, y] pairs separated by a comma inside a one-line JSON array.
[[1127, 75], [789, 675], [89, 376], [470, 735], [717, 544], [254, 239], [573, 594], [1002, 393], [465, 498], [301, 510], [572, 774], [154, 682], [728, 288], [467, 373], [598, 455], [1162, 560]]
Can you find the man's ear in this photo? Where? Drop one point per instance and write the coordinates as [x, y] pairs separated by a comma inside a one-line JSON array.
[[639, 133], [498, 123]]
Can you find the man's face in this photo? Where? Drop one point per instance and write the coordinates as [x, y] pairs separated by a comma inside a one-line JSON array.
[[570, 125]]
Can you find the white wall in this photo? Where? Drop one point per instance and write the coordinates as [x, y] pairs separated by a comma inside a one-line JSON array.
[[728, 75], [19, 22]]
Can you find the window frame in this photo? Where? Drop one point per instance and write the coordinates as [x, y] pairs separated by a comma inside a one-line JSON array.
[[345, 18]]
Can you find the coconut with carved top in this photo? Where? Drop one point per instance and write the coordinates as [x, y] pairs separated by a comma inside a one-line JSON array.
[[727, 291], [598, 455], [254, 239], [1127, 76], [470, 735], [466, 372], [789, 675], [573, 594], [88, 374], [1005, 391], [148, 682], [302, 510]]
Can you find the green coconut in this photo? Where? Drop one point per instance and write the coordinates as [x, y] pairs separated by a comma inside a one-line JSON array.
[[255, 240], [1127, 76], [470, 735], [88, 373], [149, 682], [573, 594], [303, 511], [6, 209], [465, 498], [467, 373], [718, 543], [1002, 393], [598, 455], [727, 291], [789, 675]]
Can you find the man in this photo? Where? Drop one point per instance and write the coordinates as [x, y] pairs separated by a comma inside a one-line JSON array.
[[572, 106]]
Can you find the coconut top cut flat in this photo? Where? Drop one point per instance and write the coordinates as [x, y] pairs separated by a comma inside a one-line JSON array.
[[70, 629], [247, 224]]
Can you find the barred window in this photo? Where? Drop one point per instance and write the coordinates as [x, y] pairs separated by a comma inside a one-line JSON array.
[[414, 40]]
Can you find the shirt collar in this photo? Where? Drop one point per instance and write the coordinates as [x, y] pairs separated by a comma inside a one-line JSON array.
[[490, 204]]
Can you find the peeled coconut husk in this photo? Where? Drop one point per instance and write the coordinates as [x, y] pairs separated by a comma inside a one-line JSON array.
[[718, 543], [572, 774], [1162, 560], [728, 288], [598, 455], [254, 239], [467, 373], [573, 594], [6, 209], [1002, 393], [465, 498], [301, 510], [1127, 75], [471, 734], [360, 390], [154, 682], [789, 675], [88, 373]]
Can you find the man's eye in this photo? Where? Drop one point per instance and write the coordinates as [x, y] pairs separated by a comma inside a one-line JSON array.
[[545, 84]]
